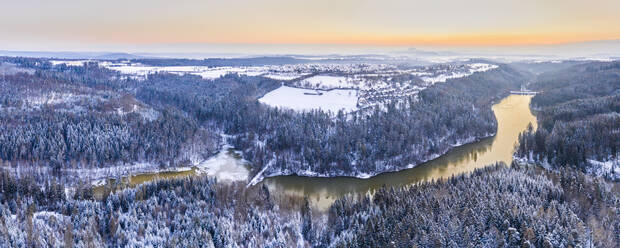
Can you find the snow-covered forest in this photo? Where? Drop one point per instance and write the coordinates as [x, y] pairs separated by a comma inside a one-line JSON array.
[[578, 116], [497, 206], [66, 115], [61, 118]]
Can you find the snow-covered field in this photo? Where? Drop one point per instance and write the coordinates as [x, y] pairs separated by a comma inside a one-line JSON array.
[[284, 75], [306, 100], [69, 62], [473, 68], [203, 71], [327, 82], [332, 87], [355, 75], [353, 91], [356, 81]]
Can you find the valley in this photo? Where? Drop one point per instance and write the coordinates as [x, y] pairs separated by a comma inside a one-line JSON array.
[[314, 158]]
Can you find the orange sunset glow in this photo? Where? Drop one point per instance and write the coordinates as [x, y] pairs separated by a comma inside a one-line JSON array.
[[394, 22]]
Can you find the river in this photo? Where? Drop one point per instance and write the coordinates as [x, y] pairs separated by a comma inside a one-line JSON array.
[[513, 115]]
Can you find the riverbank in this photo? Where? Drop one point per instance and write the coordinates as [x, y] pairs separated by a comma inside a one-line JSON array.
[[259, 177], [513, 116]]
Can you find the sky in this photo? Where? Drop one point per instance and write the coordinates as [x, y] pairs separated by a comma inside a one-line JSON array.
[[149, 25]]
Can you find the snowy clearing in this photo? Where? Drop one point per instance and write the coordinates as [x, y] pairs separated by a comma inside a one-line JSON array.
[[224, 167], [69, 62], [202, 71], [610, 167], [327, 82], [307, 100], [52, 98], [284, 76], [473, 68]]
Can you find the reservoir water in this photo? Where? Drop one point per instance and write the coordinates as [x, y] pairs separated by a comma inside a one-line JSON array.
[[513, 116]]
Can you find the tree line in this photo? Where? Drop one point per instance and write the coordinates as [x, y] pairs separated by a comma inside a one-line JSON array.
[[578, 115]]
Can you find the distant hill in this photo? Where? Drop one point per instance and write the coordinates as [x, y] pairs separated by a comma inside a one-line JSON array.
[[71, 55]]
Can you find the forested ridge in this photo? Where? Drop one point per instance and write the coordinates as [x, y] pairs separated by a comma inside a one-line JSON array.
[[124, 120], [317, 143], [578, 115], [368, 142], [81, 117], [521, 206]]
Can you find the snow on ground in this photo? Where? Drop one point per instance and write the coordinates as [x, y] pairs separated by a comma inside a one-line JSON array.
[[306, 100], [97, 183], [71, 100], [610, 167], [284, 76], [357, 81], [47, 214], [473, 68], [47, 224], [95, 174], [203, 71], [225, 167], [11, 69], [328, 82], [259, 176], [146, 112], [75, 102], [480, 67], [69, 62], [213, 73], [140, 70]]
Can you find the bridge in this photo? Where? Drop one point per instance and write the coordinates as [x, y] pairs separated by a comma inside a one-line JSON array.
[[523, 91]]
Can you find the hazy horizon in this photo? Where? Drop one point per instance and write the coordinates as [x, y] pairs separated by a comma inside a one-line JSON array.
[[596, 49], [316, 27]]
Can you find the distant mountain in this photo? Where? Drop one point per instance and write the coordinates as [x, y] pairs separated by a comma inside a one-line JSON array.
[[417, 52], [72, 55]]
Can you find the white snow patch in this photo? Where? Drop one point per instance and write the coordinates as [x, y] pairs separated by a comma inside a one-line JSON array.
[[69, 62], [52, 98], [47, 214], [259, 176], [224, 167], [307, 100], [146, 112], [328, 82], [473, 68], [212, 73], [98, 182], [284, 76], [202, 71], [181, 169], [610, 167]]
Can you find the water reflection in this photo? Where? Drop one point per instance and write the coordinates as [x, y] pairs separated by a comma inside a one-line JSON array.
[[513, 116], [225, 166]]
